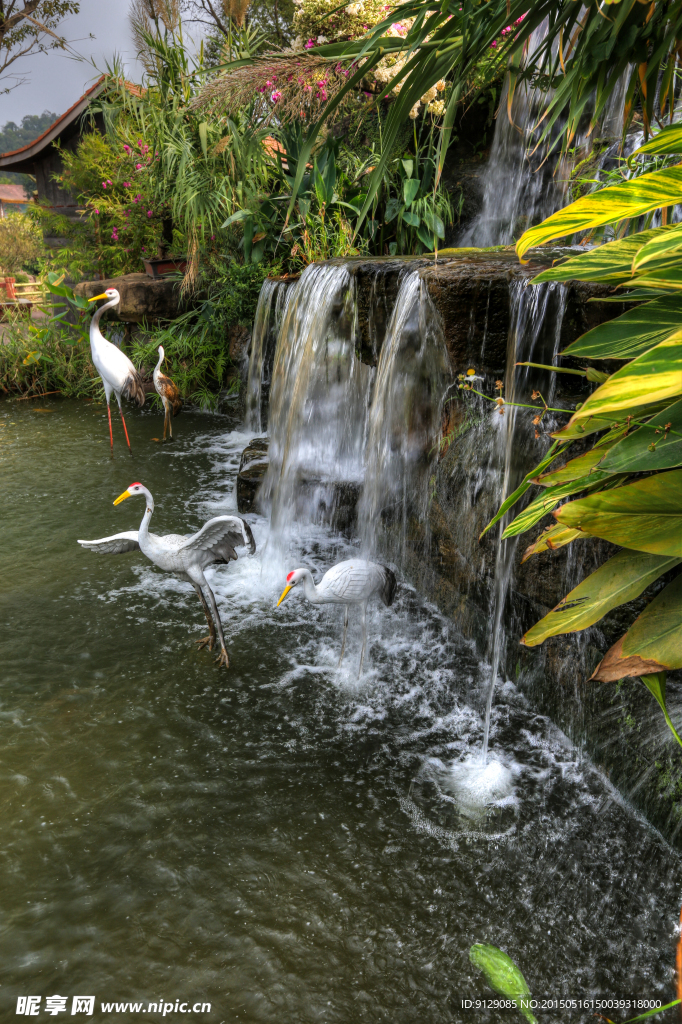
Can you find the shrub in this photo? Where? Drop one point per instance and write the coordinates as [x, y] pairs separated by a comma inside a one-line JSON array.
[[21, 243]]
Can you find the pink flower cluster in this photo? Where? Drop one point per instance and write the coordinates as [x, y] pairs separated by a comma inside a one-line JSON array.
[[107, 182], [507, 30]]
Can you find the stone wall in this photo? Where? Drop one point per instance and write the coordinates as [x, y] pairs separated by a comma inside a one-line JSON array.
[[620, 726]]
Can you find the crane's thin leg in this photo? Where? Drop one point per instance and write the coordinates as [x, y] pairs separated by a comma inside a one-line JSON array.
[[125, 430], [345, 630], [210, 639], [111, 435], [170, 420], [364, 637], [222, 658], [165, 418]]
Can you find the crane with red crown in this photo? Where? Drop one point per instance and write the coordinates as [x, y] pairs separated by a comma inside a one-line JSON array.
[[352, 582], [186, 556]]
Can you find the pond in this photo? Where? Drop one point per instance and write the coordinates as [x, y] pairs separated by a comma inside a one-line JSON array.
[[282, 840]]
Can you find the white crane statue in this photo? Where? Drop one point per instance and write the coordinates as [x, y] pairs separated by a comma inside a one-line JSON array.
[[116, 370], [184, 556], [351, 582]]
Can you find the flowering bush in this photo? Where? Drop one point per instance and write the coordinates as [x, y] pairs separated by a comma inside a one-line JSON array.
[[121, 224], [315, 25]]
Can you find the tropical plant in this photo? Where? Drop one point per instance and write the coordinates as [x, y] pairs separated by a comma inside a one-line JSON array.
[[21, 244], [630, 482], [577, 54]]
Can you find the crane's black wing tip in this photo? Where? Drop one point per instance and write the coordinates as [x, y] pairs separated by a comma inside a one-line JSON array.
[[390, 586], [251, 544]]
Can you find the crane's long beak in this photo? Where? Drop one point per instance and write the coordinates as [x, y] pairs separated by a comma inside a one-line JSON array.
[[122, 497], [96, 297], [284, 594]]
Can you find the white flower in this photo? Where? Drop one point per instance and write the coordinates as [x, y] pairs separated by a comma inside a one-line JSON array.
[[430, 95], [437, 108], [354, 9], [321, 40], [298, 43], [439, 85], [414, 113]]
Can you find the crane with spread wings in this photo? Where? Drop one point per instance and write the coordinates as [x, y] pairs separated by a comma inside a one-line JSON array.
[[184, 556]]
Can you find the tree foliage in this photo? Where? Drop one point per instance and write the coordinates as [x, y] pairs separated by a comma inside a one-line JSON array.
[[29, 27]]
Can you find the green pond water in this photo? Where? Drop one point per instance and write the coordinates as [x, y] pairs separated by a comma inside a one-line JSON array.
[[282, 840]]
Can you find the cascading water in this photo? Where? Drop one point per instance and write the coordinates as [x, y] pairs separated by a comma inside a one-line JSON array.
[[404, 418], [533, 309], [519, 189], [272, 302], [318, 403]]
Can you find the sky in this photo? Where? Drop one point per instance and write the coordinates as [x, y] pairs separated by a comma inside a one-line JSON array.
[[55, 81]]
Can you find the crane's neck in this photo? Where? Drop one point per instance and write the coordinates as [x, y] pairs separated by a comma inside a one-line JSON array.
[[95, 334], [148, 512], [309, 588], [157, 368]]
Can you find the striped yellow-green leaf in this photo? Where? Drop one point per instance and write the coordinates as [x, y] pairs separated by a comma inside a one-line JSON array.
[[652, 377], [668, 243], [634, 455], [610, 263], [645, 515], [573, 470], [667, 141], [551, 539], [668, 278], [510, 501], [615, 423], [618, 202], [631, 334], [549, 500], [621, 579]]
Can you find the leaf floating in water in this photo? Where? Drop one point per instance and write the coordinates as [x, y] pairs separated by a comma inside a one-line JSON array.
[[502, 975]]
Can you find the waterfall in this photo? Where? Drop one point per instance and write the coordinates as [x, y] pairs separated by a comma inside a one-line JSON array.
[[347, 439], [318, 403], [519, 189], [404, 417], [272, 302], [537, 313]]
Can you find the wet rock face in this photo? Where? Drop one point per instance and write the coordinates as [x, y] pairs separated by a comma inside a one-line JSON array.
[[252, 468], [142, 297]]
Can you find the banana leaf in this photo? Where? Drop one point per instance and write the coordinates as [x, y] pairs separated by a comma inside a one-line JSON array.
[[623, 578], [633, 454], [551, 539], [618, 202], [645, 515], [651, 377], [631, 334], [610, 263]]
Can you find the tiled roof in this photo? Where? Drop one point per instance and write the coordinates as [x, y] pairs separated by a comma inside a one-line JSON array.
[[32, 149]]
